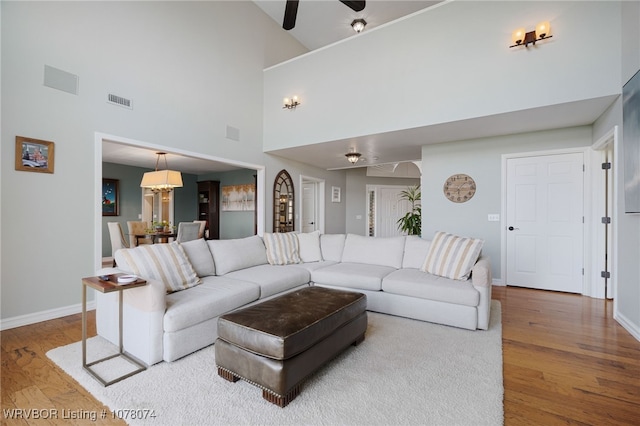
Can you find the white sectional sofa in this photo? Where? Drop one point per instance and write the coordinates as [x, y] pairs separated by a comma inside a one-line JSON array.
[[217, 276]]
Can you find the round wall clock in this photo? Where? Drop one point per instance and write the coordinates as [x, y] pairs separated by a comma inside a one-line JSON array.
[[459, 188]]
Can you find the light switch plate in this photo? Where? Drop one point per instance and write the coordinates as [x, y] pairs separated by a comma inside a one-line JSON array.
[[493, 217]]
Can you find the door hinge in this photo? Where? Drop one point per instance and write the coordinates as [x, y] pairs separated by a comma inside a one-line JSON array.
[[582, 271], [605, 274], [606, 220], [606, 166], [583, 168]]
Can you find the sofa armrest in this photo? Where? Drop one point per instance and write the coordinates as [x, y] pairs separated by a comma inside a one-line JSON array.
[[143, 315], [481, 279], [149, 298], [481, 273]]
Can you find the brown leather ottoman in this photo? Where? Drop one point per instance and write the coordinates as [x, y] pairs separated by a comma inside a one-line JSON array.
[[276, 344]]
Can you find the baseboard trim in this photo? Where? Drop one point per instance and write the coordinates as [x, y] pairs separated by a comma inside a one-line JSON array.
[[632, 328], [21, 320], [497, 282]]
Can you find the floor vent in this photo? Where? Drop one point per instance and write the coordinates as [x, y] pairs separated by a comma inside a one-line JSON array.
[[119, 100]]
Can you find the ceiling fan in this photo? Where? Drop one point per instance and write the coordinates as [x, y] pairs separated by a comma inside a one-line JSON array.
[[291, 11]]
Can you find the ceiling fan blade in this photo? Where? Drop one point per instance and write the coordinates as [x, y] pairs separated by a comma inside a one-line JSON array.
[[290, 13], [357, 6]]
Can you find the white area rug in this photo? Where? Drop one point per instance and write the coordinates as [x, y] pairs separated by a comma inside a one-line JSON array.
[[405, 372]]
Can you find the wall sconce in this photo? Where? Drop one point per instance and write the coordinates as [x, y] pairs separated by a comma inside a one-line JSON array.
[[353, 156], [291, 103], [521, 37], [358, 25]]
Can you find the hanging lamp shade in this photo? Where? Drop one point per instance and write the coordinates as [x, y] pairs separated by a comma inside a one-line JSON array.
[[162, 180]]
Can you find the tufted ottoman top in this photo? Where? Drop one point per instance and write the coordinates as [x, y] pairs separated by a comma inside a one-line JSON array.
[[288, 325]]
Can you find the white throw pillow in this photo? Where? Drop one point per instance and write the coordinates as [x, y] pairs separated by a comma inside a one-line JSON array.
[[332, 246], [309, 246], [282, 248], [415, 252], [200, 257], [163, 262], [239, 253], [451, 256]]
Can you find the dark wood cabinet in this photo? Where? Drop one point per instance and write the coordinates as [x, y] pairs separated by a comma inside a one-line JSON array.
[[209, 207]]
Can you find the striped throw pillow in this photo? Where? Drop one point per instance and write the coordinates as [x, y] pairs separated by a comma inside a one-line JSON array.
[[451, 256], [163, 262], [282, 248]]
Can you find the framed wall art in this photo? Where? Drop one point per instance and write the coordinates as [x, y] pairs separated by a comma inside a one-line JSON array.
[[335, 194], [110, 197], [237, 198], [34, 155]]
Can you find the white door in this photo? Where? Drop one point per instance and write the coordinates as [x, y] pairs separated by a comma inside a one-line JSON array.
[[544, 219], [388, 209], [309, 210]]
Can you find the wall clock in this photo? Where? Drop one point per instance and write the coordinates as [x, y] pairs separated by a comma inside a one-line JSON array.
[[459, 188]]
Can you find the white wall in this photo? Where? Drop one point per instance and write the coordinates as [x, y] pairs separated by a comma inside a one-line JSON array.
[[448, 63], [627, 250], [190, 70]]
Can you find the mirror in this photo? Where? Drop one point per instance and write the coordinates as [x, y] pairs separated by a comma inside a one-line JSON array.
[[283, 203]]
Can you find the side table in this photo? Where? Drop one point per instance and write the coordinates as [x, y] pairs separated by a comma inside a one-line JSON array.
[[107, 286]]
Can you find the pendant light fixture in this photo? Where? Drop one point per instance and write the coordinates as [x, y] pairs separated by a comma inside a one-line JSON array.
[[353, 156], [161, 180]]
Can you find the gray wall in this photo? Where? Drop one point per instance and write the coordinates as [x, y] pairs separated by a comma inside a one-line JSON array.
[[482, 160], [190, 70]]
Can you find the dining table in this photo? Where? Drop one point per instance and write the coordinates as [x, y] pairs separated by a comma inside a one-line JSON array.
[[159, 237]]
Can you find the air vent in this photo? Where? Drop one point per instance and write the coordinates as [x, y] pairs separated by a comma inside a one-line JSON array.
[[119, 100]]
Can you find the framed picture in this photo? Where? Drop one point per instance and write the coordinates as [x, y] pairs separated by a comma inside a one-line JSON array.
[[34, 155], [110, 197], [335, 194], [237, 198]]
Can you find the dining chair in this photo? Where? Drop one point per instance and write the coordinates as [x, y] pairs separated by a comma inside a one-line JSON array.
[[117, 239], [203, 224], [187, 231], [137, 228]]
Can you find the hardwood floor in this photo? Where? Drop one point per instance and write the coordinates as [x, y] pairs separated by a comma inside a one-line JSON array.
[[566, 361]]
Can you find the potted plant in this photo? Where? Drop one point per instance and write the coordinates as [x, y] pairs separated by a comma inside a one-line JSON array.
[[411, 223]]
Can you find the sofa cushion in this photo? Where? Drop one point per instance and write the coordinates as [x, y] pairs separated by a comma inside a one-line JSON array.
[[240, 253], [416, 283], [200, 257], [309, 246], [273, 279], [282, 248], [332, 246], [214, 297], [353, 275], [312, 266], [451, 256], [374, 250], [167, 263], [415, 252]]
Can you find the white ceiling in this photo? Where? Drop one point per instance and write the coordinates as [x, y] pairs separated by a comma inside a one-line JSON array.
[[323, 22]]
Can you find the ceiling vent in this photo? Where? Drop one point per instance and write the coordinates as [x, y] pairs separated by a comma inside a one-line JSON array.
[[119, 100]]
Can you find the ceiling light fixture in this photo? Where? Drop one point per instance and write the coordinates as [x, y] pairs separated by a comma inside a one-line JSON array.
[[353, 156], [291, 103], [161, 180], [521, 37], [358, 25]]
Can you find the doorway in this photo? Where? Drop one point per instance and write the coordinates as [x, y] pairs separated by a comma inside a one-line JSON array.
[[384, 208], [100, 138], [311, 204], [544, 221]]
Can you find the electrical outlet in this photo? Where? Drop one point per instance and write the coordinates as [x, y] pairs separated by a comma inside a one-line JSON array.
[[493, 217]]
